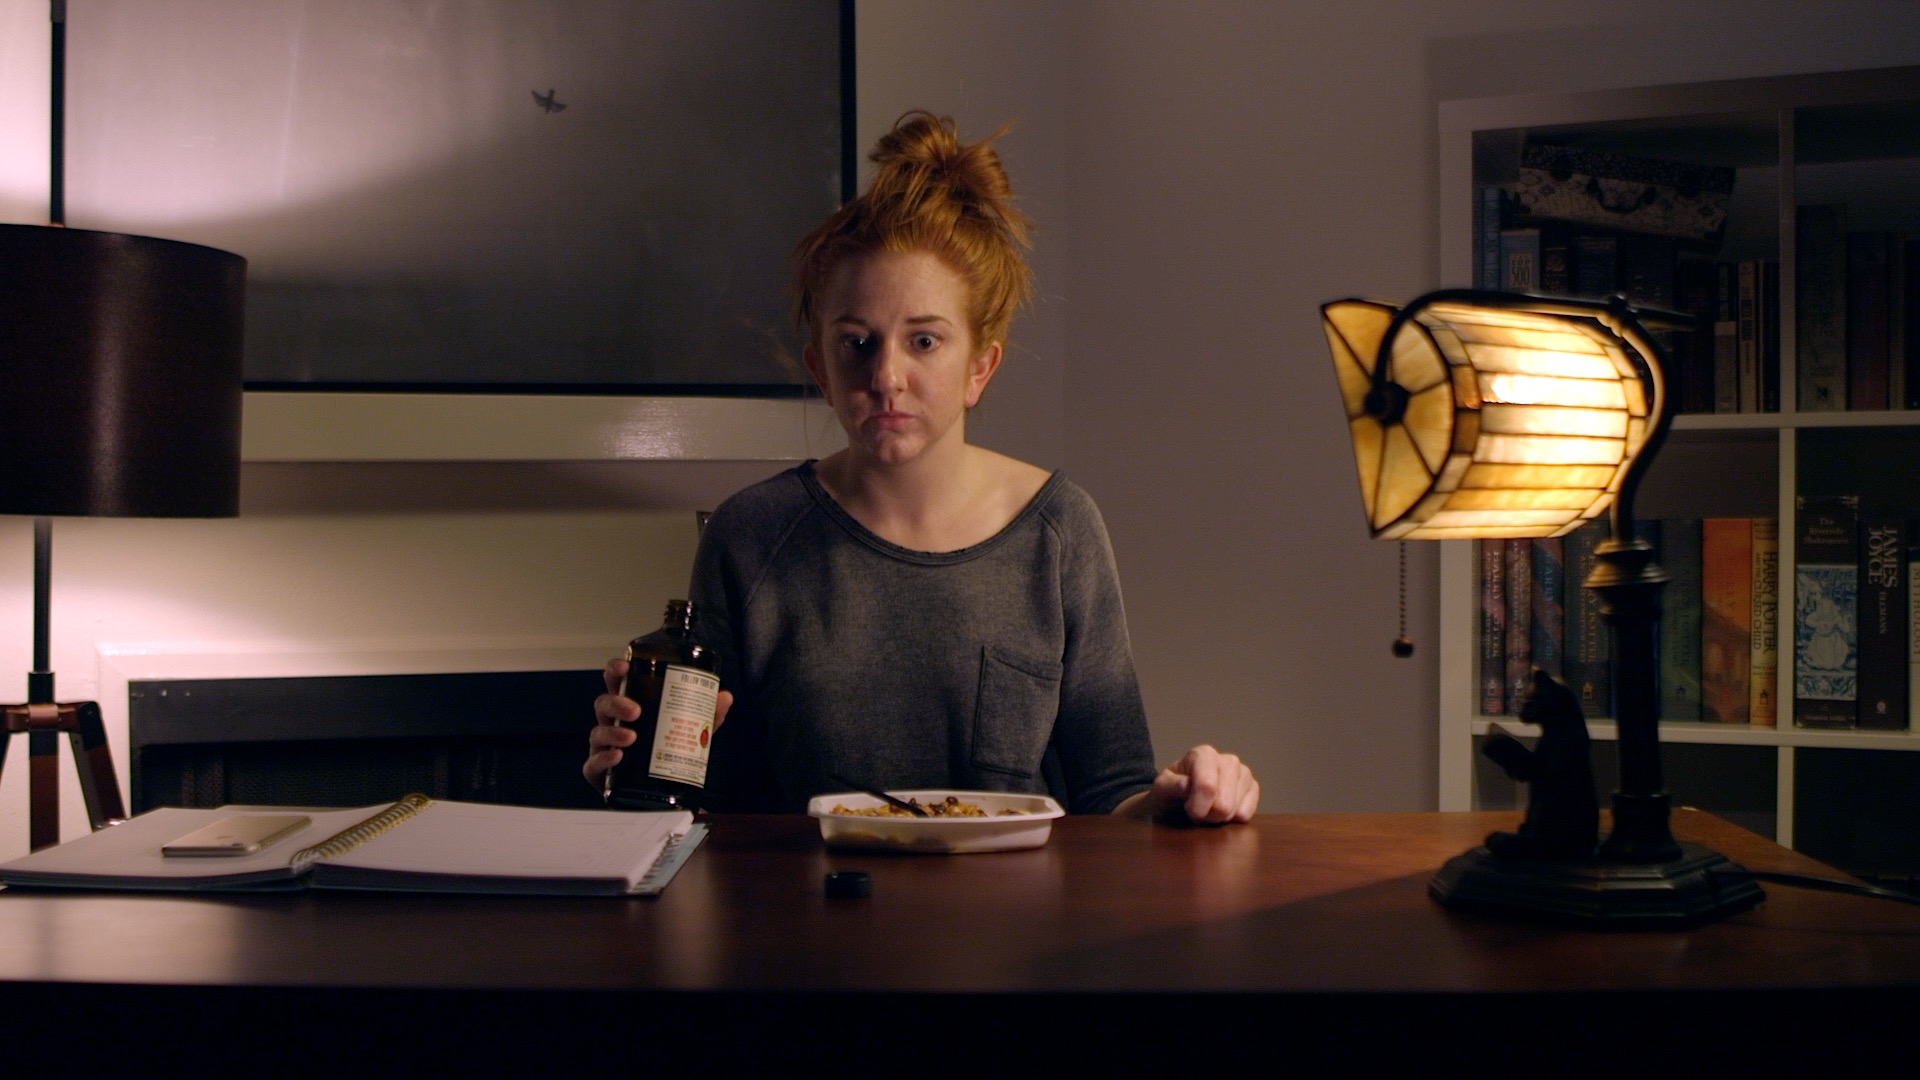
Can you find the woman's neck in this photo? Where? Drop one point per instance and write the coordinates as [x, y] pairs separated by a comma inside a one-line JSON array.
[[932, 504]]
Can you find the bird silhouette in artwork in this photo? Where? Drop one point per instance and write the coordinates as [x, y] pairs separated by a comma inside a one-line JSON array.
[[547, 101]]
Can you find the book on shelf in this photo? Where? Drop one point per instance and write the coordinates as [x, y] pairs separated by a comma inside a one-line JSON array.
[[1910, 321], [1588, 655], [1770, 335], [414, 845], [1678, 541], [1488, 219], [1726, 619], [1726, 338], [1869, 315], [1556, 262], [1493, 627], [1694, 288], [1595, 257], [1883, 624], [1546, 612], [1747, 352], [1763, 637], [1520, 260], [1645, 268], [1826, 593], [1900, 315], [1820, 310], [1518, 556], [1913, 625]]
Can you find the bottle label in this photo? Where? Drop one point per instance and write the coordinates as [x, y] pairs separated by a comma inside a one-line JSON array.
[[685, 727]]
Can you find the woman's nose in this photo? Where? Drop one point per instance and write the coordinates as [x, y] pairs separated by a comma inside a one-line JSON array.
[[889, 371]]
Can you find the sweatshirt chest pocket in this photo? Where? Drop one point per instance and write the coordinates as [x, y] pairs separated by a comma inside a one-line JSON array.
[[1014, 713]]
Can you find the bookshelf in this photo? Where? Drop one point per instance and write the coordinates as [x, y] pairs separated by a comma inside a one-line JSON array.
[[1845, 139]]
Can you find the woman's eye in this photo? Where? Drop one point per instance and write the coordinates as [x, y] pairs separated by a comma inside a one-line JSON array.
[[854, 343], [924, 342]]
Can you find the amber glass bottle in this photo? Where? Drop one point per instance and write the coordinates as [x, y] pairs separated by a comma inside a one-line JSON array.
[[676, 680]]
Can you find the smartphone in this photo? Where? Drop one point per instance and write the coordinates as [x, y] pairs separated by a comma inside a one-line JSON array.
[[242, 834]]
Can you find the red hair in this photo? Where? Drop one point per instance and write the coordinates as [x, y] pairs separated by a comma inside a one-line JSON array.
[[935, 194]]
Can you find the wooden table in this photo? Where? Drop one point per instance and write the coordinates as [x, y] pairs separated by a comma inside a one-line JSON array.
[[1297, 939]]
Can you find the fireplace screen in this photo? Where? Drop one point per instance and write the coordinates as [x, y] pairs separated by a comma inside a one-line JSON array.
[[503, 737]]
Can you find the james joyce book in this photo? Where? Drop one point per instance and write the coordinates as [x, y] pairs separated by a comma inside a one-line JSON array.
[[1883, 624]]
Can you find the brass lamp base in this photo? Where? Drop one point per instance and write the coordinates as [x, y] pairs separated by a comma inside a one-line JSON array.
[[1681, 892]]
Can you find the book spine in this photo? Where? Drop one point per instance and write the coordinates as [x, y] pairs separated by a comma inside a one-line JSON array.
[[1646, 269], [1694, 283], [1680, 615], [1595, 265], [1883, 624], [1820, 311], [1898, 314], [1913, 625], [1910, 304], [1487, 225], [1556, 263], [1589, 651], [1867, 304], [1763, 697], [1826, 593], [1748, 329], [1519, 560], [1726, 619], [1493, 627], [1548, 628], [1770, 336], [1726, 339], [1520, 260]]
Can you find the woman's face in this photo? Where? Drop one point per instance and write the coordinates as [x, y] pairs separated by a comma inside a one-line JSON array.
[[894, 354]]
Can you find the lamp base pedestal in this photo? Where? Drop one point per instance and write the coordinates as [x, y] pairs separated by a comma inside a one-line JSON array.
[[1680, 892]]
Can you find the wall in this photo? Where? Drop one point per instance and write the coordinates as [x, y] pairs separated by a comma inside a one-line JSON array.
[[1204, 175]]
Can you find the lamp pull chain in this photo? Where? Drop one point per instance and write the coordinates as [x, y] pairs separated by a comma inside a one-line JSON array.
[[1403, 645]]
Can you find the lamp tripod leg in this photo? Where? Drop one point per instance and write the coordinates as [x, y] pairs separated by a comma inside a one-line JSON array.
[[87, 735]]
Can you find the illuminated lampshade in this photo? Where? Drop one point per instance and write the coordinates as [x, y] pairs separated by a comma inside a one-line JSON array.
[[1473, 418], [1478, 414]]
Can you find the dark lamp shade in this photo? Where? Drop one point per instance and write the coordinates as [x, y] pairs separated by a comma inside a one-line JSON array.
[[120, 375]]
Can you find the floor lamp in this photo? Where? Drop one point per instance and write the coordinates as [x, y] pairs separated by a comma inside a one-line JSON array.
[[1487, 415], [121, 358]]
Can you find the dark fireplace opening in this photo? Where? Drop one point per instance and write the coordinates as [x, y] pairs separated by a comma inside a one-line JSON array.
[[499, 737]]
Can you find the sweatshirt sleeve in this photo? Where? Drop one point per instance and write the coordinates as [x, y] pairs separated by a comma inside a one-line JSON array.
[[739, 774], [1101, 740]]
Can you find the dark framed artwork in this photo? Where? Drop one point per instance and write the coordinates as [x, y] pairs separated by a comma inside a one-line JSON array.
[[552, 196]]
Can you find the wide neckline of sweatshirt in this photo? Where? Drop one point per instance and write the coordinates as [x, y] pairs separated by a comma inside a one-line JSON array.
[[838, 514]]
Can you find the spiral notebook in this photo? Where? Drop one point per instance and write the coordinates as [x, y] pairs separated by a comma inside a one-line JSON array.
[[414, 845]]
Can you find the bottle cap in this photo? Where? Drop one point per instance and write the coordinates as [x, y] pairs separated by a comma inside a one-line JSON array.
[[849, 884]]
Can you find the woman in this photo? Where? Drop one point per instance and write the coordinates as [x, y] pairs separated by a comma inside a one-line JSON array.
[[916, 611]]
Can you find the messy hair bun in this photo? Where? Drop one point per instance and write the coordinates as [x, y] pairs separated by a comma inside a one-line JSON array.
[[930, 193]]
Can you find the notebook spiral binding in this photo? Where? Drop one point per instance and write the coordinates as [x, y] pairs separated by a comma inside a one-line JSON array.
[[677, 851], [359, 833]]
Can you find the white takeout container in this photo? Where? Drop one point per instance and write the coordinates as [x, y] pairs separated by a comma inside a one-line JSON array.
[[938, 835]]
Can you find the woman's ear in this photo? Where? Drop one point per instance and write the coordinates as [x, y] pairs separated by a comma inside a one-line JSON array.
[[980, 372]]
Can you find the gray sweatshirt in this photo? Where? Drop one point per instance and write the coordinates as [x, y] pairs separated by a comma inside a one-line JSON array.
[[1004, 666]]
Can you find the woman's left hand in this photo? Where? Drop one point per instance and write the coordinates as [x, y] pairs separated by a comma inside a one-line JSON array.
[[1209, 786]]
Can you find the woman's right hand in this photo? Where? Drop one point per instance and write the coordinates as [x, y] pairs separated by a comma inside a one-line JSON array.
[[612, 711]]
